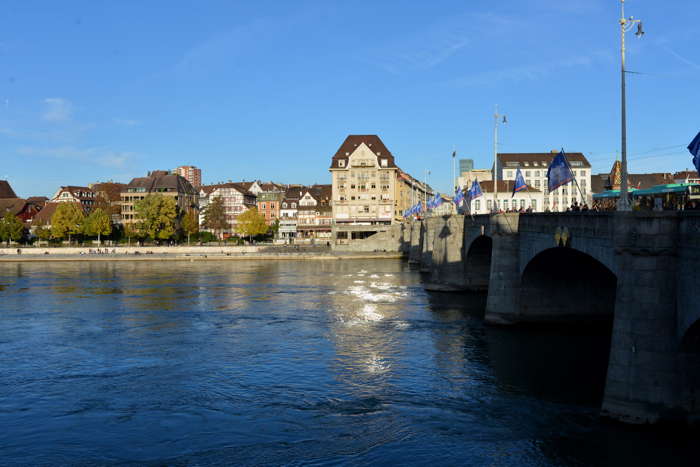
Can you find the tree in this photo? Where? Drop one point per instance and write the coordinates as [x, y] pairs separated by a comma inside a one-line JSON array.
[[157, 215], [11, 228], [251, 223], [215, 216], [67, 220], [98, 223], [190, 224], [43, 232]]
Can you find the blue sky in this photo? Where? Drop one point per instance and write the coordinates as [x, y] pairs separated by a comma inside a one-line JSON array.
[[99, 90]]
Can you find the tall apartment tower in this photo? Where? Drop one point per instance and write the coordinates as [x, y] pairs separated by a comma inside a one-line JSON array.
[[190, 173]]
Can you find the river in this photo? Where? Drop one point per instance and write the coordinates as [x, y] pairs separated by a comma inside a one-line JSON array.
[[293, 362]]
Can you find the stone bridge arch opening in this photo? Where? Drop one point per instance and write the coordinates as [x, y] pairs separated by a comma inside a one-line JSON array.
[[565, 285], [478, 264], [568, 299]]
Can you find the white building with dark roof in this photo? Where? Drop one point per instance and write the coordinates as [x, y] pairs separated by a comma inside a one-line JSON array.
[[534, 169]]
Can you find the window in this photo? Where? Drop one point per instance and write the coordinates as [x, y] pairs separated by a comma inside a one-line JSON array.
[[262, 206], [527, 173], [352, 198], [537, 183], [582, 173], [294, 205], [537, 172], [533, 203], [489, 204], [385, 162], [341, 163], [514, 204], [352, 187], [365, 209], [526, 164], [477, 204], [374, 185], [509, 173], [522, 204]]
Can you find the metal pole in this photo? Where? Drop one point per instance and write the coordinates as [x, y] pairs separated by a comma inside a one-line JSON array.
[[454, 177], [623, 202], [495, 159]]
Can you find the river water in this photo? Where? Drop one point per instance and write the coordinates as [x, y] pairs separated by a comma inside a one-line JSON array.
[[291, 362]]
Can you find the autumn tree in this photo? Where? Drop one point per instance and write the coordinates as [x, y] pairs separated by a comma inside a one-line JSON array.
[[67, 220], [157, 215], [251, 223], [11, 228], [190, 224], [42, 232], [215, 216], [98, 223]]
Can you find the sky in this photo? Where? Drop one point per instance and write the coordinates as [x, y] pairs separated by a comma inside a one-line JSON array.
[[105, 90]]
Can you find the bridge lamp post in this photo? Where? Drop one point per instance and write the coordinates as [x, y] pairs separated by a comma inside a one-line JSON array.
[[626, 24], [497, 118]]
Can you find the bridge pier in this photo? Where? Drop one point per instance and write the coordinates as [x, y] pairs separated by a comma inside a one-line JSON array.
[[428, 228], [503, 300], [447, 265], [415, 249], [644, 382]]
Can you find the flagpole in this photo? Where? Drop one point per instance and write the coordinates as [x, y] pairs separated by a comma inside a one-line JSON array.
[[573, 175], [495, 159]]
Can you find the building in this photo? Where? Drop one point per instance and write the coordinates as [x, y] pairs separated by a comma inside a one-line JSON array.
[[686, 176], [288, 213], [481, 175], [504, 200], [6, 190], [109, 198], [315, 214], [466, 165], [190, 173], [269, 200], [157, 182], [83, 195], [534, 169], [369, 191], [236, 197], [612, 181]]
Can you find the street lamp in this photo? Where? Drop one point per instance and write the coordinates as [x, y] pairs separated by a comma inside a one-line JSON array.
[[497, 118], [626, 24]]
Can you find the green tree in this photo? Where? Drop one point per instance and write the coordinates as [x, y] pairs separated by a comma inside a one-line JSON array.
[[67, 220], [43, 232], [157, 215], [98, 223], [215, 216], [11, 228], [251, 223], [190, 224]]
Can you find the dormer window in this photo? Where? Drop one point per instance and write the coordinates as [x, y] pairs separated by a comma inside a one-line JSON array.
[[341, 163], [385, 162], [284, 205]]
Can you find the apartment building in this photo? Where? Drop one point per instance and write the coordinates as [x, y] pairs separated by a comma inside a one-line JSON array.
[[236, 196], [190, 173], [157, 182]]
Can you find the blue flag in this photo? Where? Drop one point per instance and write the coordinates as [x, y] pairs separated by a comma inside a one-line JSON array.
[[519, 184], [475, 190], [459, 196], [694, 148], [435, 201], [559, 172]]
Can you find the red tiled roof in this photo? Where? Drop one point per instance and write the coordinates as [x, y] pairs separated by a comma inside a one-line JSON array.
[[373, 142], [12, 205]]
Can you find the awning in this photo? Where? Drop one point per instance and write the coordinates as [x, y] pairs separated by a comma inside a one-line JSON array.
[[669, 188], [611, 194]]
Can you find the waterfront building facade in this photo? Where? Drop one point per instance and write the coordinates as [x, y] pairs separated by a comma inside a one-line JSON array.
[[236, 199], [82, 195], [315, 215], [530, 199], [534, 169], [157, 182], [369, 191]]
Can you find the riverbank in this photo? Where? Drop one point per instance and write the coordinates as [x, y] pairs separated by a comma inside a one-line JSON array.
[[242, 256]]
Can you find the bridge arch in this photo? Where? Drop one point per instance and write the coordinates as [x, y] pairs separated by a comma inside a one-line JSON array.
[[478, 264], [567, 285]]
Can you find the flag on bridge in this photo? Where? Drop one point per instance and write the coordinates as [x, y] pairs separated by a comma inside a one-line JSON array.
[[694, 148], [475, 191], [459, 196], [558, 173], [435, 202], [519, 184]]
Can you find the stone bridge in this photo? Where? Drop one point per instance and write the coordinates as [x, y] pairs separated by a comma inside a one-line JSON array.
[[639, 270]]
